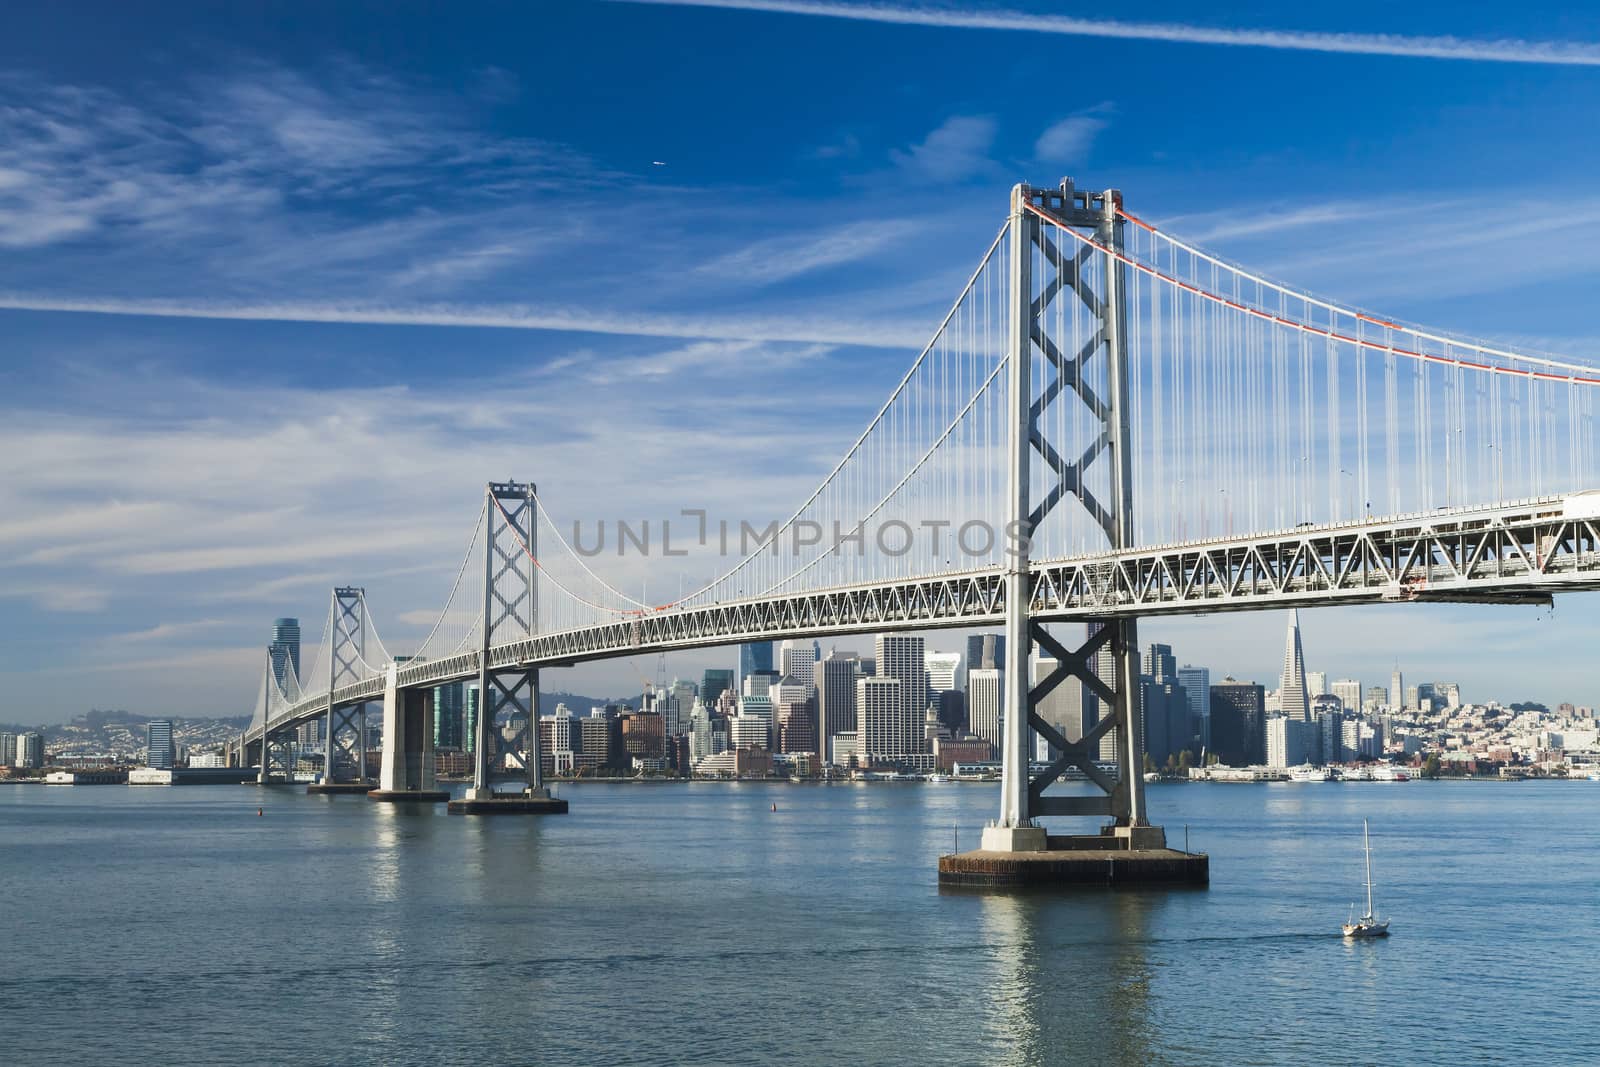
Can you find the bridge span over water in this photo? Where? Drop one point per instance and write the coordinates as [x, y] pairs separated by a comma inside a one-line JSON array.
[[1110, 423]]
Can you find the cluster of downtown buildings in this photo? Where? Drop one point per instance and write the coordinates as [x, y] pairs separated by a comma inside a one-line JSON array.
[[790, 709]]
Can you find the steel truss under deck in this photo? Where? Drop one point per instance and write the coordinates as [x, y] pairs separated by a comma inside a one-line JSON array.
[[1519, 554]]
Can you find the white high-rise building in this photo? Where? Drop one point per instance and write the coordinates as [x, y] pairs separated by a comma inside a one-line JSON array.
[[1293, 700], [8, 750], [753, 709], [880, 731], [1397, 690], [1289, 741], [944, 671], [986, 703], [748, 731], [798, 660], [902, 657], [1348, 690], [1316, 684]]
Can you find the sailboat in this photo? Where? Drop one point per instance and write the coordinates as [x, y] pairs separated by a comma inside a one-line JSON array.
[[1369, 925]]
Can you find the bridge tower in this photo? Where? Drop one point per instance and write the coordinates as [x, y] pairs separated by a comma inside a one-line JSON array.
[[1104, 392], [509, 689], [345, 729]]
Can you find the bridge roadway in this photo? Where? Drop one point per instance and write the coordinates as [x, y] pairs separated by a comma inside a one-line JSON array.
[[1517, 553]]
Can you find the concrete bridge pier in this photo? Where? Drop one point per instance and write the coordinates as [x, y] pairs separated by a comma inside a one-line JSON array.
[[407, 774]]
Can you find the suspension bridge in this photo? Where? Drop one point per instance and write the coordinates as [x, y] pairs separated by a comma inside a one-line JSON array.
[[1110, 423]]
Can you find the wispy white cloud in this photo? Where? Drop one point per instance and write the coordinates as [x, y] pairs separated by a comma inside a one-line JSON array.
[[825, 330], [167, 631], [778, 259], [1069, 140], [1504, 50], [958, 149]]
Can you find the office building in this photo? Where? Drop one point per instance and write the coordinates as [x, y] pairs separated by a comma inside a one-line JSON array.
[[1290, 741], [643, 735], [759, 683], [30, 751], [944, 670], [284, 649], [8, 750], [797, 725], [986, 652], [449, 721], [881, 729], [469, 717], [902, 657], [1316, 684], [836, 698], [713, 683], [159, 749], [1165, 712], [1160, 664], [679, 703], [1293, 700], [1238, 722], [986, 704], [1348, 690], [754, 709], [1196, 682], [798, 660], [1397, 690], [755, 656]]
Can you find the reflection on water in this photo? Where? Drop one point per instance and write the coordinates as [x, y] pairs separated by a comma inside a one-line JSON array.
[[1072, 976]]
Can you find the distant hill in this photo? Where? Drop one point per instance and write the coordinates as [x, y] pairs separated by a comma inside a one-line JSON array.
[[97, 719]]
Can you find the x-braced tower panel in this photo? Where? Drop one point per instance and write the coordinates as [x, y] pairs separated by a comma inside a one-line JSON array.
[[1102, 390], [510, 613], [346, 727]]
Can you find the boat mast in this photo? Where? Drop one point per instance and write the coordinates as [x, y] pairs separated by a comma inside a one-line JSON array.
[[1366, 844]]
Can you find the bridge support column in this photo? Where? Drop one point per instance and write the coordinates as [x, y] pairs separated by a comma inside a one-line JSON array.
[[1014, 847], [510, 613], [408, 762]]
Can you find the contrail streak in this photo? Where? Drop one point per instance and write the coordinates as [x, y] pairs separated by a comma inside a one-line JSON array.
[[1505, 50]]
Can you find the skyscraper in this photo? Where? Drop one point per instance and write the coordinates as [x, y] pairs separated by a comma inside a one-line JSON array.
[[1196, 682], [986, 703], [943, 669], [798, 660], [30, 751], [880, 729], [1160, 664], [755, 656], [986, 652], [1238, 722], [902, 657], [712, 684], [284, 649], [160, 751], [1348, 690], [1397, 690], [680, 703], [1316, 684], [448, 722], [836, 698], [469, 718], [1293, 700]]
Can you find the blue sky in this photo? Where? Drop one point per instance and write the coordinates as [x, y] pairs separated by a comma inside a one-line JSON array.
[[280, 289]]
